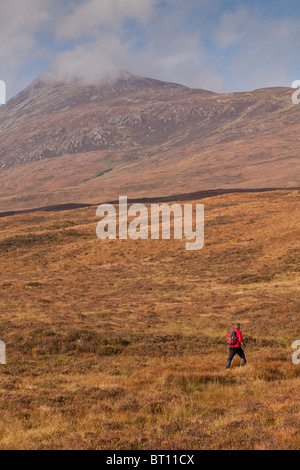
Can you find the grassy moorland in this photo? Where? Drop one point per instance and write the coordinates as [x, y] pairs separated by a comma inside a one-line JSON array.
[[120, 344]]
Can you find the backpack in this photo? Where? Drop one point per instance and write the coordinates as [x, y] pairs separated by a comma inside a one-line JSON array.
[[232, 338]]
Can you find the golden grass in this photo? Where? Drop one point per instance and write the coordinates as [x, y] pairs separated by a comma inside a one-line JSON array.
[[120, 344]]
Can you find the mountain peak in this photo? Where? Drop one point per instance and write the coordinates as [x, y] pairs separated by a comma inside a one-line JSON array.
[[117, 82], [51, 94], [142, 136], [48, 94]]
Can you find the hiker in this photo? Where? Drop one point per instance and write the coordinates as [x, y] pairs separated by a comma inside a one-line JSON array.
[[235, 343]]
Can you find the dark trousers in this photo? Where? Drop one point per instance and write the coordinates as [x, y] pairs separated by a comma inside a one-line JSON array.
[[234, 351]]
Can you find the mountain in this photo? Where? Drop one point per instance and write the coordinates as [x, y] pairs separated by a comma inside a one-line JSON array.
[[73, 142]]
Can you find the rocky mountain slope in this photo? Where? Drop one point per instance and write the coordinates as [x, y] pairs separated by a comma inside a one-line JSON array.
[[64, 143]]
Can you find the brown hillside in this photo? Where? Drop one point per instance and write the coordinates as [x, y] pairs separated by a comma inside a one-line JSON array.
[[70, 143]]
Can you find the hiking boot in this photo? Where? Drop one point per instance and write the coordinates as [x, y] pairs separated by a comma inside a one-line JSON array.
[[228, 363], [243, 362]]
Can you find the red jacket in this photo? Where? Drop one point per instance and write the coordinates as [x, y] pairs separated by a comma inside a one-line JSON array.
[[239, 339]]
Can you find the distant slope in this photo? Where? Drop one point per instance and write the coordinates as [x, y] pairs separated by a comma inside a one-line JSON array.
[[198, 195], [73, 143]]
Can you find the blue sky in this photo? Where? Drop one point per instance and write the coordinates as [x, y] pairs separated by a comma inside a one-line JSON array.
[[224, 46]]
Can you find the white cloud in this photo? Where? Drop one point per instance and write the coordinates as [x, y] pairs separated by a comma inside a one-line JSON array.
[[172, 51], [264, 47], [17, 28], [195, 42], [20, 23], [86, 19], [91, 61]]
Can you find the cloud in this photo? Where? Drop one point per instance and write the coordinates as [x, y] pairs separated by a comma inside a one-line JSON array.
[[199, 43], [98, 30], [261, 51], [170, 49], [20, 24], [182, 60], [90, 62]]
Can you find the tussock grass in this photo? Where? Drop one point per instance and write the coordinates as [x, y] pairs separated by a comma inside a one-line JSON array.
[[121, 344]]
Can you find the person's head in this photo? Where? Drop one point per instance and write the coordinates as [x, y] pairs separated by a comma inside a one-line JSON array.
[[237, 326]]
